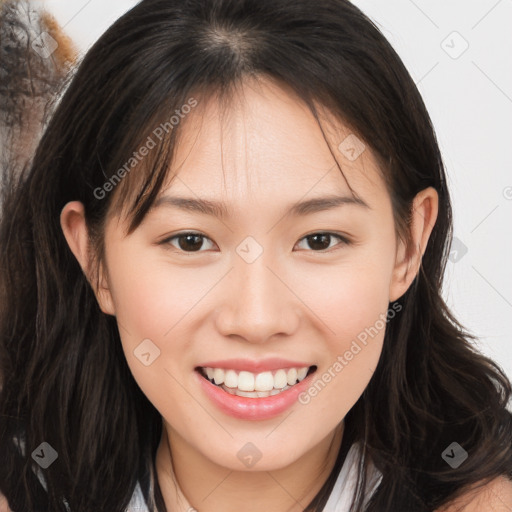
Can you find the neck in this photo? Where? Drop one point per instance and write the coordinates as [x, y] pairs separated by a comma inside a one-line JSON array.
[[191, 482]]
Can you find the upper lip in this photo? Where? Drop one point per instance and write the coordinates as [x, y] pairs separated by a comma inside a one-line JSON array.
[[252, 366]]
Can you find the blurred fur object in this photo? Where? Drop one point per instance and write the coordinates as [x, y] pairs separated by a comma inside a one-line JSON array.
[[32, 76]]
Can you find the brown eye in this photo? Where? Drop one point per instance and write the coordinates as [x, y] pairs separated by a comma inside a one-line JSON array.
[[187, 242], [321, 241], [190, 242]]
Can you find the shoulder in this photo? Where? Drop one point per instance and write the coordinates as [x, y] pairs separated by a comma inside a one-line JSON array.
[[495, 496], [3, 504]]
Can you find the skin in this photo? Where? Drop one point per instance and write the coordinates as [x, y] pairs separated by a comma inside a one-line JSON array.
[[295, 301]]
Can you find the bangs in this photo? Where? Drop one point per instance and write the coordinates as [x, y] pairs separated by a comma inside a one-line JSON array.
[[140, 176]]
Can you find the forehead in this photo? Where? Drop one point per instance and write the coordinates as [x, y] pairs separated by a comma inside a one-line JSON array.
[[268, 142]]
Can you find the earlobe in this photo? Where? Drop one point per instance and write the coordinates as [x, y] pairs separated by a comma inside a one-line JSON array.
[[103, 295], [408, 259], [74, 227]]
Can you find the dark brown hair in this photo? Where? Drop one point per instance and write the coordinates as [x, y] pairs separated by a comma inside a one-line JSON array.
[[61, 361]]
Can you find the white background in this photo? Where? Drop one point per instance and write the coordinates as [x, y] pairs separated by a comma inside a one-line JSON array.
[[469, 98]]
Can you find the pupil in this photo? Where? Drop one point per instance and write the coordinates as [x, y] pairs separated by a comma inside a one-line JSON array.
[[316, 237], [186, 245]]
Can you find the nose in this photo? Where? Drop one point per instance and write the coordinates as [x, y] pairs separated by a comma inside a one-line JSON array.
[[258, 303]]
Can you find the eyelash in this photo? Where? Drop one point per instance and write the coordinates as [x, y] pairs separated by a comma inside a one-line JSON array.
[[343, 240]]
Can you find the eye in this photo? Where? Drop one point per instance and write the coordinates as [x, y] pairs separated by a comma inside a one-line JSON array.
[[321, 241], [192, 241], [187, 242]]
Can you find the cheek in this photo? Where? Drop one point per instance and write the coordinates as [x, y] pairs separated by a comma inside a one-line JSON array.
[[150, 298], [352, 303], [152, 303], [349, 298]]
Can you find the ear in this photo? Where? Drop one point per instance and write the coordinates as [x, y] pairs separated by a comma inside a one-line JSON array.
[[74, 227], [408, 259]]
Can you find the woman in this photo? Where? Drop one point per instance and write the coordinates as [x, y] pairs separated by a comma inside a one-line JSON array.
[[221, 283]]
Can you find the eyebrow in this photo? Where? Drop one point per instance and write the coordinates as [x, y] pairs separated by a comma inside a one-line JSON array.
[[220, 210]]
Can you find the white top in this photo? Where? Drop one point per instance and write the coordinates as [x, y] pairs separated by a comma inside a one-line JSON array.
[[339, 500], [343, 490]]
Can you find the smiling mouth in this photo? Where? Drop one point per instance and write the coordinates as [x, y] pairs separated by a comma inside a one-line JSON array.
[[247, 384]]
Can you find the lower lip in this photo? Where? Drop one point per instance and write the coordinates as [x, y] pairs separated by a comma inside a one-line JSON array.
[[255, 409]]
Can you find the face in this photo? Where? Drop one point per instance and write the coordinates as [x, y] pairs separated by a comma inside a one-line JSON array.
[[309, 286]]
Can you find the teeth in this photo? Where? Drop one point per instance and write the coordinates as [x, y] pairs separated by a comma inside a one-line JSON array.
[[218, 376], [301, 374], [263, 382], [231, 379], [291, 377], [245, 393], [280, 379], [247, 382], [253, 394]]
